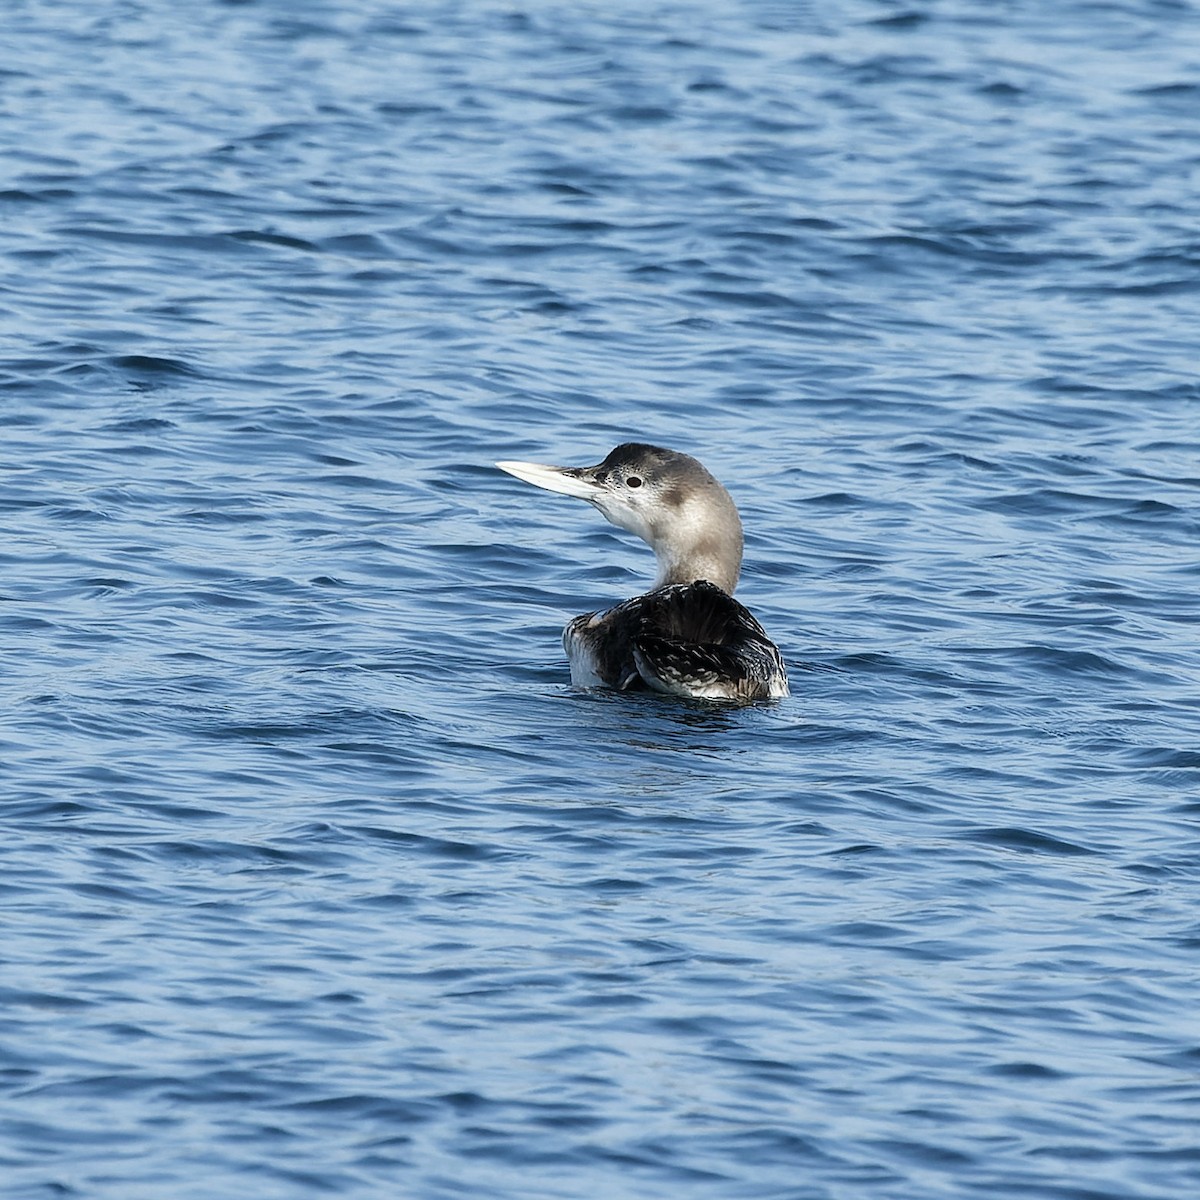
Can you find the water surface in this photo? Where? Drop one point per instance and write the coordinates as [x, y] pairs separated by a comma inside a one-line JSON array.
[[320, 879]]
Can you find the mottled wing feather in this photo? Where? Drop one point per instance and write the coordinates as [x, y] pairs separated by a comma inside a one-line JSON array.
[[686, 639], [744, 672]]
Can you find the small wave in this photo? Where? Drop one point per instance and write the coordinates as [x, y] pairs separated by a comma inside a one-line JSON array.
[[1025, 841]]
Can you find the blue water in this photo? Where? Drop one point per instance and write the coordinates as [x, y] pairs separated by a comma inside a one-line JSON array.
[[318, 878]]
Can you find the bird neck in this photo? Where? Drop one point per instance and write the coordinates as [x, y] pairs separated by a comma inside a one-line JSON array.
[[712, 558]]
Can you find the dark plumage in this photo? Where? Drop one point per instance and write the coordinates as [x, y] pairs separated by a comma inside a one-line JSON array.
[[688, 639]]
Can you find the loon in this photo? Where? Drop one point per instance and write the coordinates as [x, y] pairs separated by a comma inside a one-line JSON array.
[[687, 636]]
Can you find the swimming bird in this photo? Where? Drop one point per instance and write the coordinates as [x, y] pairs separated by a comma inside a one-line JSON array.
[[687, 636]]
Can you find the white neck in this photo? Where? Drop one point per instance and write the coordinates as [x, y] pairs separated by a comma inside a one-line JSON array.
[[703, 542]]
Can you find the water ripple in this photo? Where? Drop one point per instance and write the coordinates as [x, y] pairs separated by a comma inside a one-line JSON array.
[[319, 876]]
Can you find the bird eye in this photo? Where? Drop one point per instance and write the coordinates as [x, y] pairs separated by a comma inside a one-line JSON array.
[[634, 481]]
